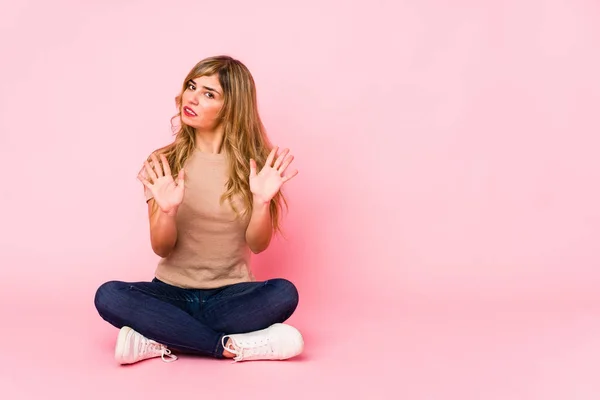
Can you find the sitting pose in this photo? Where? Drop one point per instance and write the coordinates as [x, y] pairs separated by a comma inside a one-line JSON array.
[[213, 197]]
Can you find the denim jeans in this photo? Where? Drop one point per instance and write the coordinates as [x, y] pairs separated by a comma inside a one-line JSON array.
[[194, 321]]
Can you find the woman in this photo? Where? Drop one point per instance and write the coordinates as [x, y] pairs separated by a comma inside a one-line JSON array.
[[213, 197]]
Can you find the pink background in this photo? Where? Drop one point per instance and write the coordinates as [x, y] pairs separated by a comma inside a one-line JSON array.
[[443, 229]]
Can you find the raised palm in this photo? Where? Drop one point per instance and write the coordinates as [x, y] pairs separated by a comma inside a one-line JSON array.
[[167, 192], [265, 184]]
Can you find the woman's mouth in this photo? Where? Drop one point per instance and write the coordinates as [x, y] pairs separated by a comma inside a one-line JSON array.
[[189, 112]]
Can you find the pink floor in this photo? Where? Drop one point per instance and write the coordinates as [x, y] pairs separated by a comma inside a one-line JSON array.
[[444, 147], [422, 350]]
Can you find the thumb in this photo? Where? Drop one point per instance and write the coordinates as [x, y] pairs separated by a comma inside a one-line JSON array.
[[252, 167]]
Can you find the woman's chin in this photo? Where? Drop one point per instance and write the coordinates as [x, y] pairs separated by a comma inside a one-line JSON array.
[[185, 119], [191, 122]]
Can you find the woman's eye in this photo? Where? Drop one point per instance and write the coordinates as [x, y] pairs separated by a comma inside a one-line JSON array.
[[191, 86], [209, 95]]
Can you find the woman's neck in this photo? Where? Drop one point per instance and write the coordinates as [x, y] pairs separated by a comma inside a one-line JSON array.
[[209, 141]]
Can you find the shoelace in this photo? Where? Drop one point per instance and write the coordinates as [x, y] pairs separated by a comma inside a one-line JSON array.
[[248, 349], [150, 345]]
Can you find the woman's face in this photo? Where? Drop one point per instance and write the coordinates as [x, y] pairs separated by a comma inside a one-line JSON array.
[[201, 102]]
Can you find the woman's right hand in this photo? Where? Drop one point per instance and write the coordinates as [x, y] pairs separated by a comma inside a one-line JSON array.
[[167, 193]]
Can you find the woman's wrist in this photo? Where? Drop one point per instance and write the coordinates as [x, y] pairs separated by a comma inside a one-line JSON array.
[[172, 213], [258, 201]]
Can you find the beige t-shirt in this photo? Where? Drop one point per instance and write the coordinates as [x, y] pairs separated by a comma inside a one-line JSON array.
[[211, 249]]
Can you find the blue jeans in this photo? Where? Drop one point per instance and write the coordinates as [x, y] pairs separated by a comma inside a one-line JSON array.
[[194, 321]]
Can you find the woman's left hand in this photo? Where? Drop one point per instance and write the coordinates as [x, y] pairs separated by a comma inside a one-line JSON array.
[[265, 184]]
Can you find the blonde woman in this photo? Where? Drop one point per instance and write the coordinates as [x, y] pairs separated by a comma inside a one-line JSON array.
[[213, 197]]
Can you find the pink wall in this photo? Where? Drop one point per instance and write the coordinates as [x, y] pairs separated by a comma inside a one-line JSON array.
[[447, 150]]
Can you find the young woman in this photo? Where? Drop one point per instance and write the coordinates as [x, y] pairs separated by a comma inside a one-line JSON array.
[[213, 197]]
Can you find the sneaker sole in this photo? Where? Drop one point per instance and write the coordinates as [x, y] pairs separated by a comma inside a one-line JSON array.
[[120, 346]]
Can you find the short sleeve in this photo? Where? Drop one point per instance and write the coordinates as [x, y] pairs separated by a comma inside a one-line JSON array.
[[147, 193]]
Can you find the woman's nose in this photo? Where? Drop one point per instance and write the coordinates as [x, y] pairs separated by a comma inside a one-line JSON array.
[[194, 99]]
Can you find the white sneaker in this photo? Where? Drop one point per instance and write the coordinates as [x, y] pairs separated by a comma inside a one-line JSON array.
[[277, 342], [133, 347]]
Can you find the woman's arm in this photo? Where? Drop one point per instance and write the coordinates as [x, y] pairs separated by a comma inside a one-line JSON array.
[[164, 195], [260, 228], [264, 185], [163, 230]]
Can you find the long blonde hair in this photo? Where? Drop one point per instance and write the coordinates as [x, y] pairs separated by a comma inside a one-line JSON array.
[[244, 134]]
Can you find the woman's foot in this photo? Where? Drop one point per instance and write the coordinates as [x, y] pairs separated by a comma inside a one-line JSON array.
[[277, 342], [133, 347]]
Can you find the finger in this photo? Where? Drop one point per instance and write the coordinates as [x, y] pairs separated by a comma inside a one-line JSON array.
[[290, 176], [146, 183], [285, 164], [165, 164], [150, 172], [271, 156], [142, 173], [280, 158], [180, 177], [156, 165], [252, 167]]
